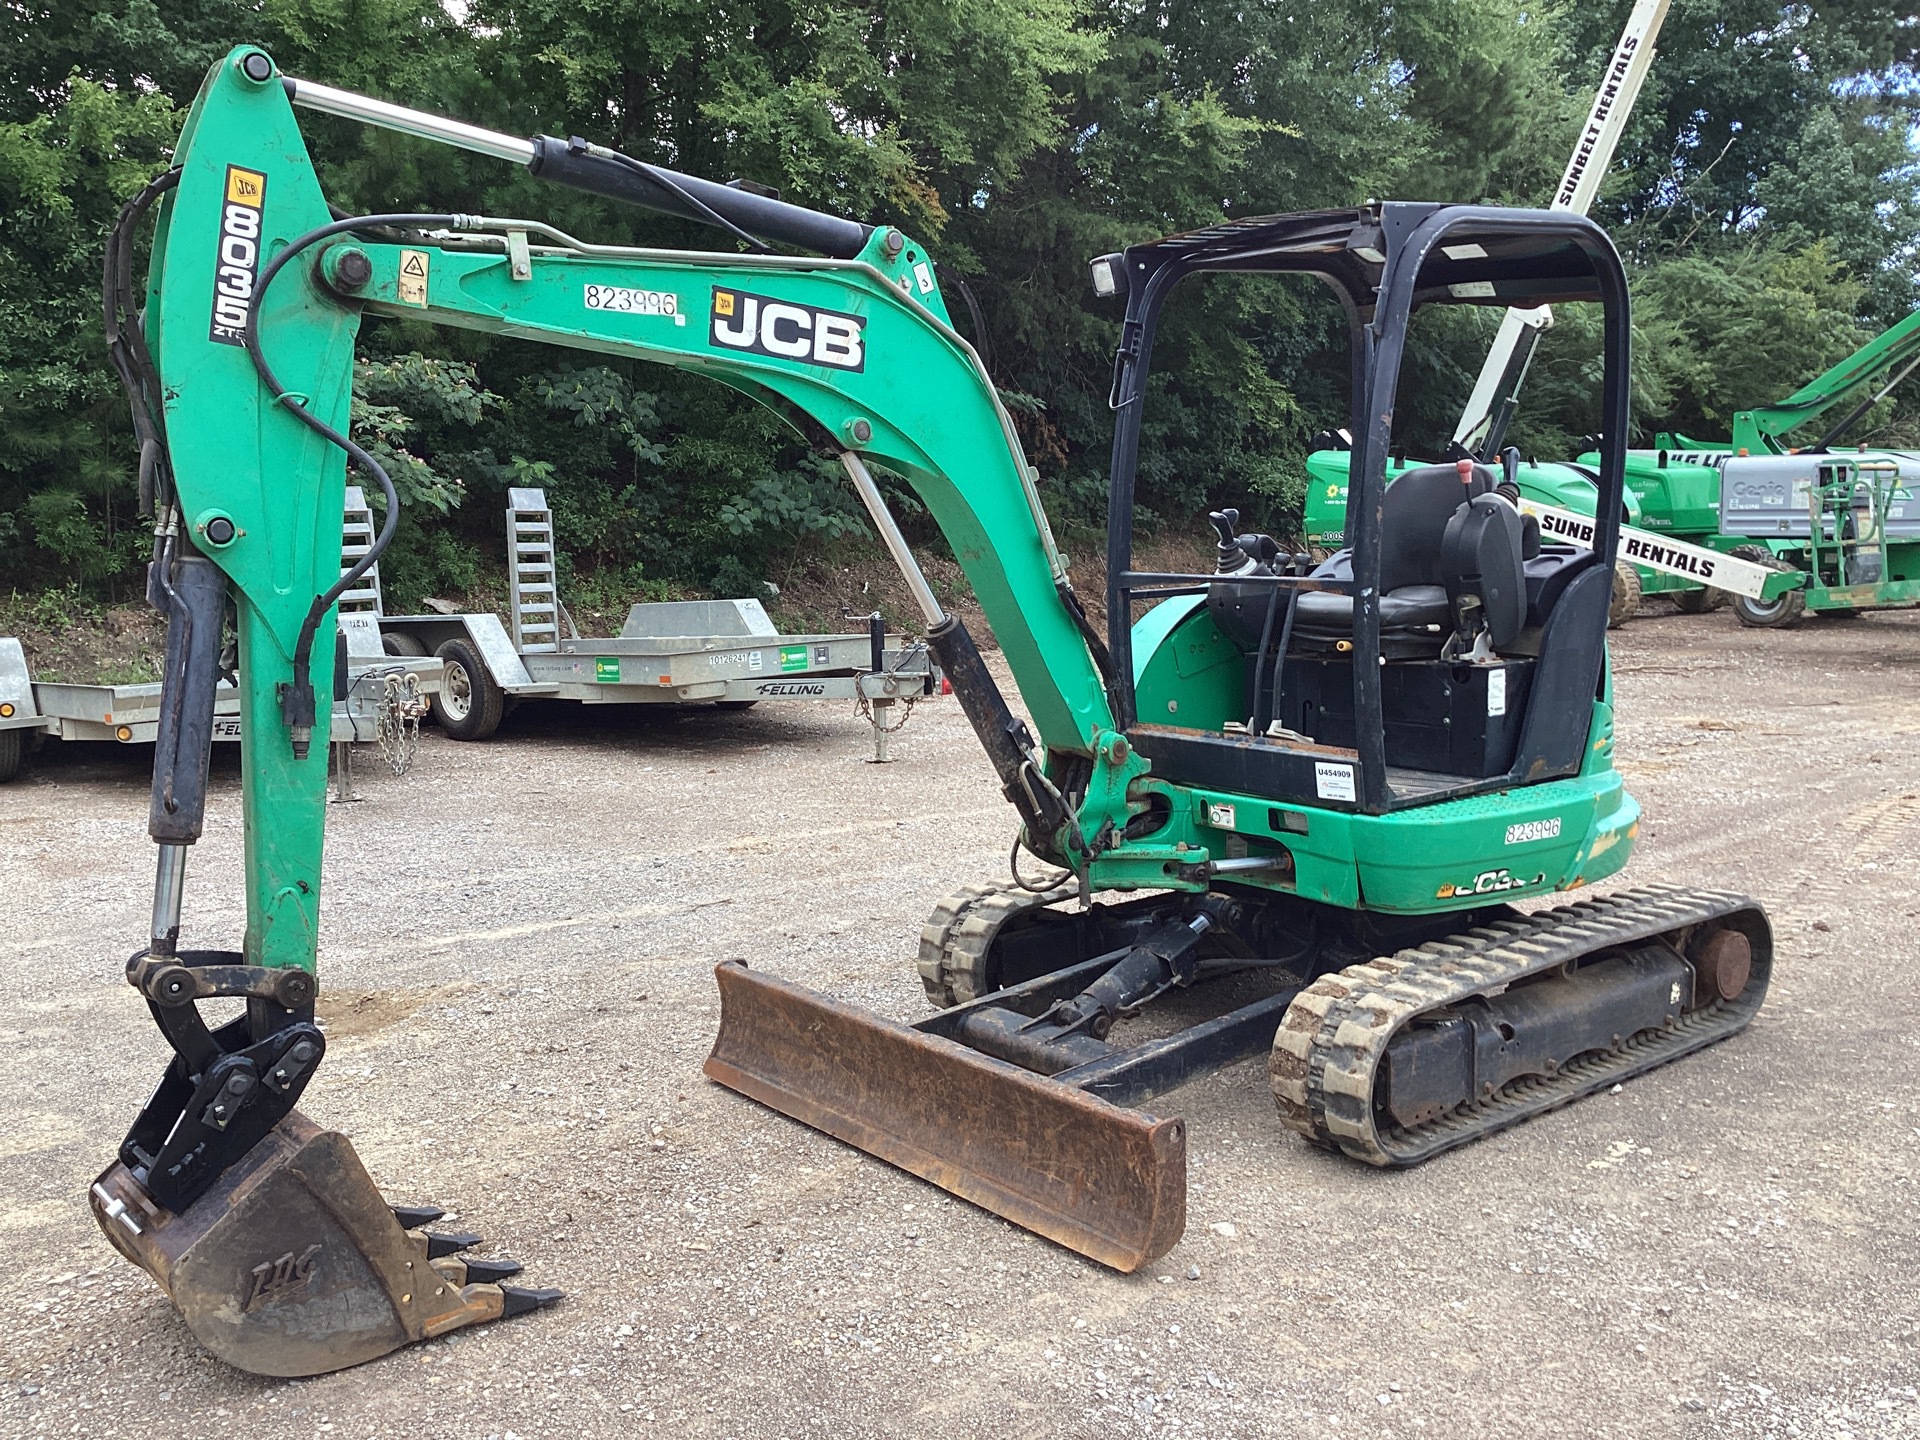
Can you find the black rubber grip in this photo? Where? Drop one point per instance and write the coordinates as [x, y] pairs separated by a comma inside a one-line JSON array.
[[769, 219]]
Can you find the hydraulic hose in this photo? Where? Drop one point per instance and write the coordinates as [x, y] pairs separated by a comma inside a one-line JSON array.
[[296, 698]]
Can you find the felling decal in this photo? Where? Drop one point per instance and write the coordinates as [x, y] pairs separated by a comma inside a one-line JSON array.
[[237, 263]]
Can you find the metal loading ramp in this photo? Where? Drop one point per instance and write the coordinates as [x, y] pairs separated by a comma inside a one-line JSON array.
[[724, 653]]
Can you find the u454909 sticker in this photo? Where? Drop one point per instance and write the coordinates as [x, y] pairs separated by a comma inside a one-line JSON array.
[[237, 262]]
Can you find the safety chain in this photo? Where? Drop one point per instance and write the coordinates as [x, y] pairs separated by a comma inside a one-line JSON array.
[[397, 729], [864, 706]]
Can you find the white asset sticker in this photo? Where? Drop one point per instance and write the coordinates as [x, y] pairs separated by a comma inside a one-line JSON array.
[[1220, 816], [1496, 692], [1528, 831], [1332, 781], [635, 302], [923, 277]]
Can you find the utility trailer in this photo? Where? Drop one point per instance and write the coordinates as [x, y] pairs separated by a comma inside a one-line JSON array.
[[724, 653], [379, 697], [20, 717]]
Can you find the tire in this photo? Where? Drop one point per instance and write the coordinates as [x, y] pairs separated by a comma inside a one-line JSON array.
[[10, 748], [470, 704], [398, 642], [1696, 602], [1626, 595], [1782, 610], [734, 704]]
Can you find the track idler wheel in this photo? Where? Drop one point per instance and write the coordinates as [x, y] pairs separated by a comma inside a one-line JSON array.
[[1722, 964], [291, 1263]]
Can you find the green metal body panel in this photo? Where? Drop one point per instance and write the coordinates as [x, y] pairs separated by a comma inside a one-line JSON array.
[[918, 402], [1418, 861]]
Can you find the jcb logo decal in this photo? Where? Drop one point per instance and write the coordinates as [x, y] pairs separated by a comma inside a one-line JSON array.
[[792, 332], [238, 261]]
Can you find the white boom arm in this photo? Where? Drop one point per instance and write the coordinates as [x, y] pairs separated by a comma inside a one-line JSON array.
[[1506, 363]]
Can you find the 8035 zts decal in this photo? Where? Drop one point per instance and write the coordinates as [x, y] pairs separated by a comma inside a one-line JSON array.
[[792, 332], [238, 259]]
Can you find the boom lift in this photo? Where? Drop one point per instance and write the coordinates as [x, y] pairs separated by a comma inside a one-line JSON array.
[[1561, 496], [1285, 801], [1824, 527]]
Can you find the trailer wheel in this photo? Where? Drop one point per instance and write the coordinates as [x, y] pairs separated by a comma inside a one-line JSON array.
[[1626, 595], [469, 705], [1698, 602], [9, 754], [734, 704], [1775, 614], [398, 642]]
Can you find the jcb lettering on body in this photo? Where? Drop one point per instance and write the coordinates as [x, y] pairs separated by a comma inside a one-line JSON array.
[[766, 326], [237, 257]]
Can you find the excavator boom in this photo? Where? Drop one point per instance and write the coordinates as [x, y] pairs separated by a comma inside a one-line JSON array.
[[265, 1230]]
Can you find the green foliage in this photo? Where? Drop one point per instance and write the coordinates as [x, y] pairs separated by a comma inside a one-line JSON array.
[[409, 397], [66, 458], [1764, 197]]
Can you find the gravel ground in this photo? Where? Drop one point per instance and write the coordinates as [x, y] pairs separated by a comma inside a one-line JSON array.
[[518, 939]]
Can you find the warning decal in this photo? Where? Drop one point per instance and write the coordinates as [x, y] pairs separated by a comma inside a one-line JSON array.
[[413, 277]]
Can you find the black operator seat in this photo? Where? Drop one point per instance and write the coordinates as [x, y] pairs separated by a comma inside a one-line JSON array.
[[1416, 613]]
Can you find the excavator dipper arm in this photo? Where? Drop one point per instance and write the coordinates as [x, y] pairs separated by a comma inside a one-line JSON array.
[[263, 1228]]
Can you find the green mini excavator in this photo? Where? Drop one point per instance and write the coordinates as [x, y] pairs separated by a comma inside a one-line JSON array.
[[1330, 780]]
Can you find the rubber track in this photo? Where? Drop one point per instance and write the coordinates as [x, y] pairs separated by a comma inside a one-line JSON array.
[[957, 935], [1329, 1047]]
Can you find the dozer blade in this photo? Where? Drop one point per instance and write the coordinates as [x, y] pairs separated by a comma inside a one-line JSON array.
[[292, 1264], [1106, 1182]]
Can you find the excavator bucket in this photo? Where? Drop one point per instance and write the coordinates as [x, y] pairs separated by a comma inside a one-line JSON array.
[[1107, 1182], [292, 1264]]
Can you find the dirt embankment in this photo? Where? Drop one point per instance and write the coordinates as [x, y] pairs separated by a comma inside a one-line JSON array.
[[833, 588], [71, 641]]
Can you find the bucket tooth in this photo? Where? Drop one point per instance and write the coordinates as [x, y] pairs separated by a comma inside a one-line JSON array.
[[447, 1242], [518, 1300], [292, 1264], [412, 1217], [1107, 1182], [488, 1271]]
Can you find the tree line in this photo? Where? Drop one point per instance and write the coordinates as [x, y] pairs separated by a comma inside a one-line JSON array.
[[1764, 198]]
